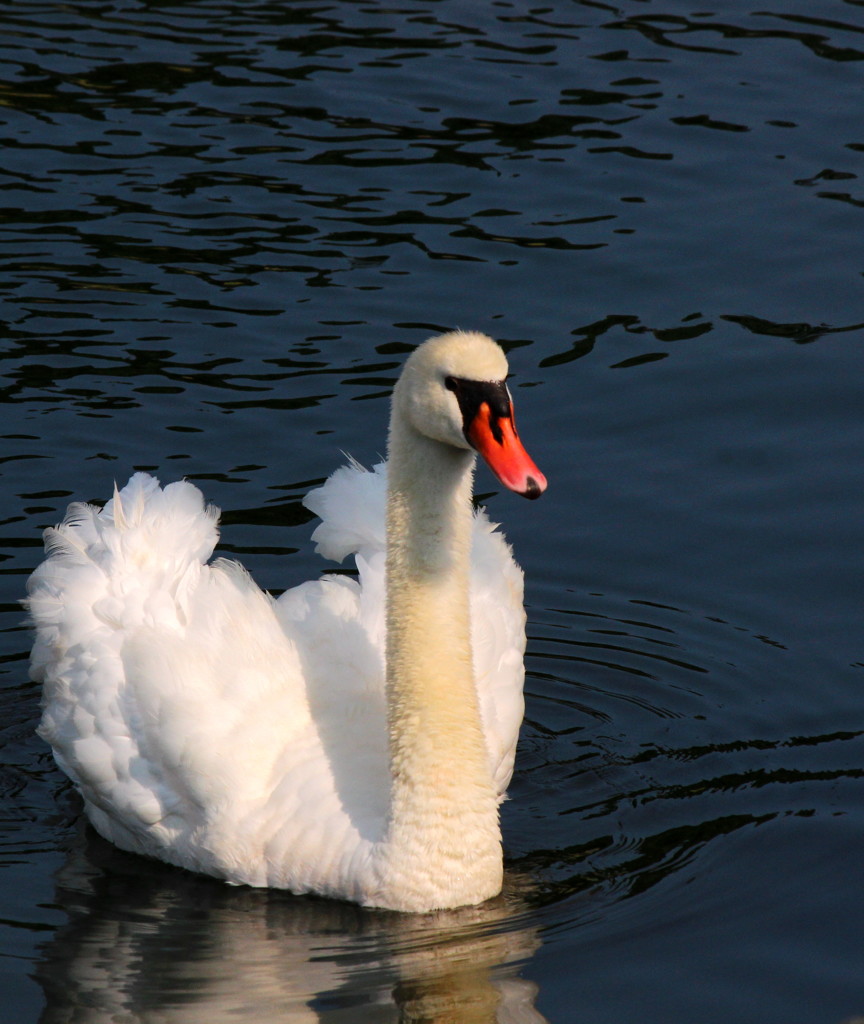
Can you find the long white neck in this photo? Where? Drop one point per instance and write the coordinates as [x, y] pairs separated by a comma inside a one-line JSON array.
[[443, 844]]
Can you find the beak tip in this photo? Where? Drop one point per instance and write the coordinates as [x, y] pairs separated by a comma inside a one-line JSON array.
[[534, 487]]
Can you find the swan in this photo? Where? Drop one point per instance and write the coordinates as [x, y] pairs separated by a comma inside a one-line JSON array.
[[352, 738]]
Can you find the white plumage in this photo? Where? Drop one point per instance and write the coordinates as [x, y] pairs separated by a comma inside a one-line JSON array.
[[215, 728]]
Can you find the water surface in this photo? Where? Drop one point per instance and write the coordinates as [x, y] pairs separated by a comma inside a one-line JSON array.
[[223, 227]]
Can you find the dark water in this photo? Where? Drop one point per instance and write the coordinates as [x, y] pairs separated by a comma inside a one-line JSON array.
[[223, 226]]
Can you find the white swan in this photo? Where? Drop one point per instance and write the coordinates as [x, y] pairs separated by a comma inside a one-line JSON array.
[[263, 741]]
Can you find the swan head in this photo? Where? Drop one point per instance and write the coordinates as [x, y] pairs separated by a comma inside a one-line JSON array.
[[453, 389]]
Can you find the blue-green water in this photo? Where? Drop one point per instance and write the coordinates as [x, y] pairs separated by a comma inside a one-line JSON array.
[[224, 225]]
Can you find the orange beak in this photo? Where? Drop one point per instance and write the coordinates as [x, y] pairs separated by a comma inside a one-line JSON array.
[[495, 438]]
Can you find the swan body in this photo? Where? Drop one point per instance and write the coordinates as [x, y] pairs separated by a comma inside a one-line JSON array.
[[352, 738]]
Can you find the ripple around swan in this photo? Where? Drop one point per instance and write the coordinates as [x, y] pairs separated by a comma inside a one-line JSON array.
[[643, 730]]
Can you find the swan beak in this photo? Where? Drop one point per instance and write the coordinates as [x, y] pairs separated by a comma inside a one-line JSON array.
[[494, 437]]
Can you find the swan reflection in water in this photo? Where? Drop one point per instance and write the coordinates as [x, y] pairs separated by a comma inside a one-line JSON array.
[[146, 943]]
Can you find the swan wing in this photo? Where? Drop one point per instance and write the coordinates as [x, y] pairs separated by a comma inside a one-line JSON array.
[[498, 642], [176, 697]]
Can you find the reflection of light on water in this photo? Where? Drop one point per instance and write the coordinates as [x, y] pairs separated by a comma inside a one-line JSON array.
[[145, 943]]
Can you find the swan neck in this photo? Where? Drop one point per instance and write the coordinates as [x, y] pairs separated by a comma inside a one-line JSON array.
[[443, 831]]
